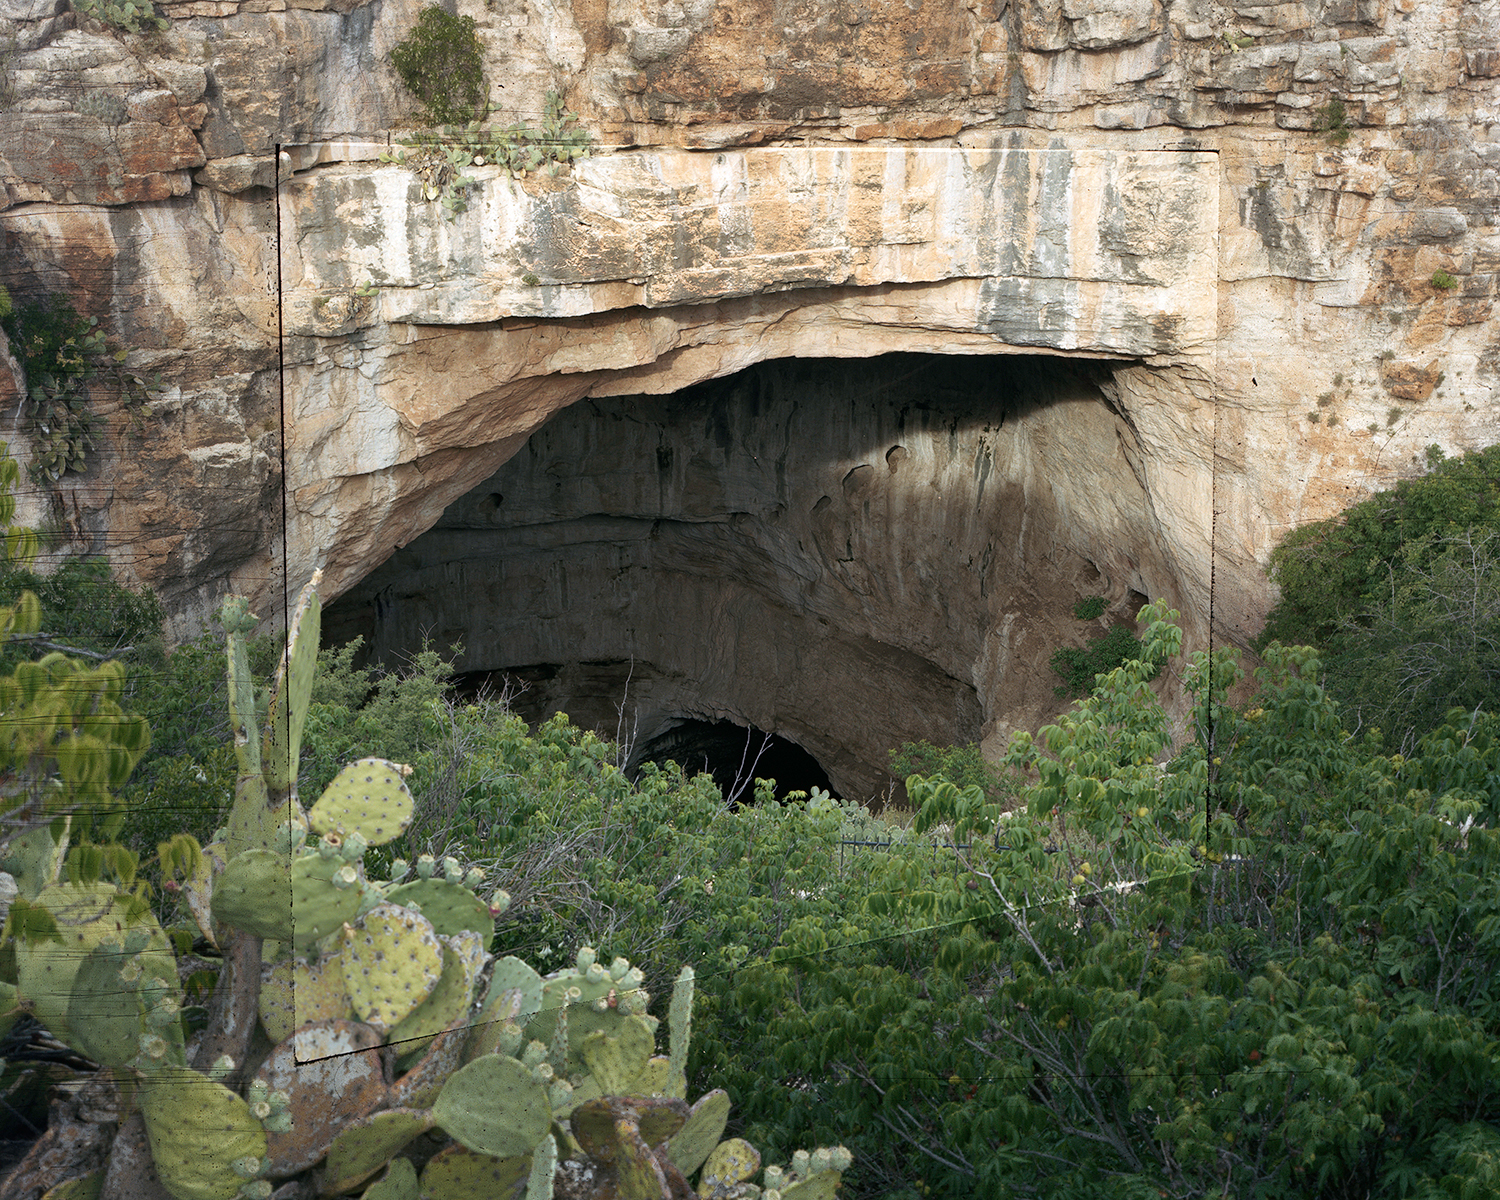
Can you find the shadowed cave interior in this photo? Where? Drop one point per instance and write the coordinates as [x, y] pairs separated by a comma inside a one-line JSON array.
[[842, 554]]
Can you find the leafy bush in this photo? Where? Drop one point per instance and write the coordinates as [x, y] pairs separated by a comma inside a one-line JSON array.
[[442, 64], [1269, 972], [128, 16], [65, 358], [1399, 593], [1090, 608], [962, 765], [1078, 665]]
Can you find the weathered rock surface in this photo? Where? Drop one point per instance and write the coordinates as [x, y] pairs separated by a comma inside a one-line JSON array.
[[1278, 223]]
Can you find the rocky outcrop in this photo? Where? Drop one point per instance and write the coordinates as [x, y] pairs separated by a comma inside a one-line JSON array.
[[1278, 225]]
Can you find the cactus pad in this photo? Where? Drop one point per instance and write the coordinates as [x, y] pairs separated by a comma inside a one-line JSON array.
[[105, 1016], [680, 1020], [514, 995], [197, 1129], [495, 1106], [282, 744], [447, 1002], [419, 1087], [601, 1005], [731, 1162], [695, 1141], [459, 1174], [85, 1187], [616, 1061], [319, 908], [400, 1183], [658, 1079], [86, 916], [392, 962], [254, 893], [363, 1147], [822, 1186], [451, 907], [333, 1074], [369, 797], [539, 1183], [295, 992]]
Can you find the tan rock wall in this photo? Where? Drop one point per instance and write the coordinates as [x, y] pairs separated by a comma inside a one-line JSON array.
[[1250, 201]]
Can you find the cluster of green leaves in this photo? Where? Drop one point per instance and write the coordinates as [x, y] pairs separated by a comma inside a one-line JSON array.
[[1401, 596], [1078, 665], [440, 158], [963, 766], [128, 16], [1264, 966], [66, 359], [442, 64]]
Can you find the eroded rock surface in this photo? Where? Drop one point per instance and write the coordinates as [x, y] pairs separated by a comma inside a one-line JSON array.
[[1278, 224]]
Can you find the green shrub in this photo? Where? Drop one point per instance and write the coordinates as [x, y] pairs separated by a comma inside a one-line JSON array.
[[66, 359], [1444, 281], [128, 16], [442, 64], [962, 765], [1333, 119], [1077, 665], [1090, 608]]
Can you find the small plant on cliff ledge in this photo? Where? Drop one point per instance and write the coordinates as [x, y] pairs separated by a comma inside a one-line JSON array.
[[1333, 119], [1090, 608], [442, 65], [65, 358], [128, 16], [439, 158], [1443, 281]]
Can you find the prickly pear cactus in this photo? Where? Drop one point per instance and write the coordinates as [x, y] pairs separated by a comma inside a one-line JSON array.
[[385, 1035]]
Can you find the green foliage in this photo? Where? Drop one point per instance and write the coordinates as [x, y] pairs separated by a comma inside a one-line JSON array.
[[1443, 281], [408, 961], [442, 64], [439, 158], [964, 766], [66, 359], [1398, 593], [128, 16], [1261, 967], [1079, 665], [1090, 608], [1333, 119]]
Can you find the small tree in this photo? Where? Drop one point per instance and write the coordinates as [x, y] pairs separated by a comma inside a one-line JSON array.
[[442, 64]]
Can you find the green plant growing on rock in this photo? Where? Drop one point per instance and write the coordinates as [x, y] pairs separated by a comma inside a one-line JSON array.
[[1078, 665], [1443, 281], [1333, 119], [128, 16], [552, 1079], [439, 159], [66, 358], [442, 64]]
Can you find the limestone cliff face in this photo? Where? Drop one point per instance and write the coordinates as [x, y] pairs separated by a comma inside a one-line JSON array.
[[1239, 209]]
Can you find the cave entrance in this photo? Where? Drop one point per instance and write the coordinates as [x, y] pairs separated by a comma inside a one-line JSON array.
[[847, 554], [736, 756]]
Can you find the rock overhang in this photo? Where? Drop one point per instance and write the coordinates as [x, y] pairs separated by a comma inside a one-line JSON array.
[[646, 272]]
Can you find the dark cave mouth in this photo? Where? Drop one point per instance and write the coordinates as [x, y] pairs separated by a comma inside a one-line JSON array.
[[736, 756], [738, 556]]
